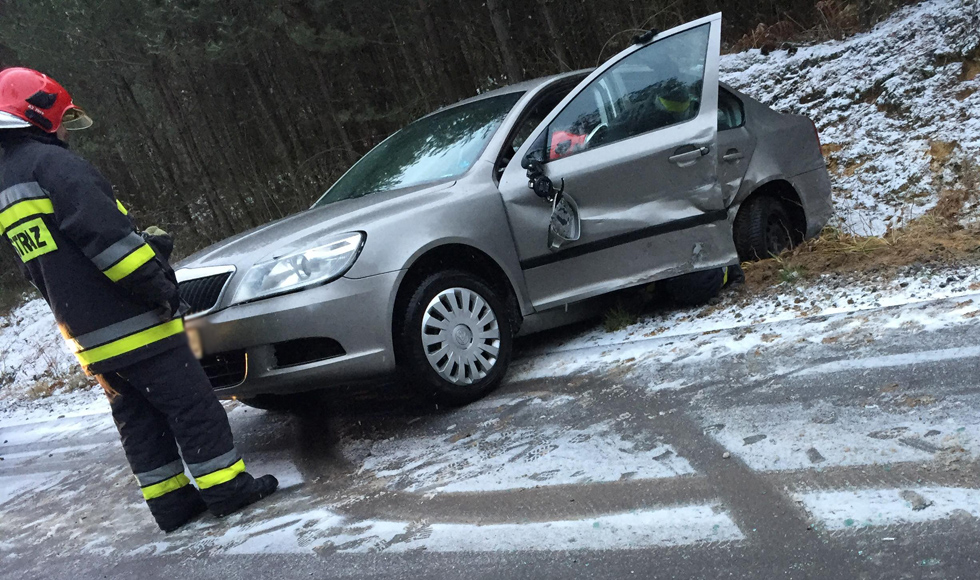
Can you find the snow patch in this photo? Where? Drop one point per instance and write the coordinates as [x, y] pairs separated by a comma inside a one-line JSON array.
[[323, 531], [631, 531], [516, 458], [842, 510], [13, 486], [790, 437], [286, 534], [285, 471], [31, 348], [893, 360]]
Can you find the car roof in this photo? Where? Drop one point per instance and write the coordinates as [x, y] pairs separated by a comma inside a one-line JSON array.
[[521, 87], [530, 85]]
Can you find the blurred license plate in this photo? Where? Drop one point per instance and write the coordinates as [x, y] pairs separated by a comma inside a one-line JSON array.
[[194, 340]]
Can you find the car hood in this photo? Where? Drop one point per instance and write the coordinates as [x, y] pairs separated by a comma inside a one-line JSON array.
[[306, 229]]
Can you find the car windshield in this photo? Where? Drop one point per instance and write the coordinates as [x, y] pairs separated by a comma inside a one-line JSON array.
[[438, 147]]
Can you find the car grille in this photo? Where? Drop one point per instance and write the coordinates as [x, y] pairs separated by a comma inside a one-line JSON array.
[[202, 293], [226, 369]]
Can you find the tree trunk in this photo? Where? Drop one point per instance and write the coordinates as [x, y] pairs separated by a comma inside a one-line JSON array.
[[349, 153], [410, 65], [438, 59], [559, 46], [177, 116], [504, 42]]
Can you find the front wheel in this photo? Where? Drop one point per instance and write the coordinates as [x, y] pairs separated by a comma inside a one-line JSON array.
[[455, 338]]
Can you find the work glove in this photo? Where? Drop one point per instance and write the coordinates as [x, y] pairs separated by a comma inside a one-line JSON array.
[[161, 242], [163, 246], [170, 307]]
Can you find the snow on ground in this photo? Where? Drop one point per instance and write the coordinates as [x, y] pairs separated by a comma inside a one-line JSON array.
[[787, 437], [518, 458], [729, 327], [323, 531], [636, 530], [12, 487], [31, 348], [840, 510], [880, 100]]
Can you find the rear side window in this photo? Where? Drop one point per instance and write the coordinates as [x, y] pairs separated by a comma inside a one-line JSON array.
[[731, 113]]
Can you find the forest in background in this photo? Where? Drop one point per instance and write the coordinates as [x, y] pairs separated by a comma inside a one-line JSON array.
[[215, 116]]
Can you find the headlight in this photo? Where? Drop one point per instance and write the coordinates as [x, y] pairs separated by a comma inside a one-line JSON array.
[[300, 270]]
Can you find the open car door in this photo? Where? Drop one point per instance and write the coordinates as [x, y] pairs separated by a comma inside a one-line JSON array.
[[633, 148]]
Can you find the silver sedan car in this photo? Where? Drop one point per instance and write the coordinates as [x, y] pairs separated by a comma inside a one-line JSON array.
[[504, 214]]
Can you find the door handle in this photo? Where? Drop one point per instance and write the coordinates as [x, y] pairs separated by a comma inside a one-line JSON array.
[[688, 154], [733, 155]]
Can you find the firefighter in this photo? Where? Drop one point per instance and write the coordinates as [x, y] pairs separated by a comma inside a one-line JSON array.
[[674, 103], [115, 299]]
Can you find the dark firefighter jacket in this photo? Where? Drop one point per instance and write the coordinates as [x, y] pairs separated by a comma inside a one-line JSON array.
[[108, 289]]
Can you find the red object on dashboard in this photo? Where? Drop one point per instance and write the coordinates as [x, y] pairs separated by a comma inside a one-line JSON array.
[[564, 143]]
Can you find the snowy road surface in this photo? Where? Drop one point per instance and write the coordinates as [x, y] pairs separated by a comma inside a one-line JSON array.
[[832, 446]]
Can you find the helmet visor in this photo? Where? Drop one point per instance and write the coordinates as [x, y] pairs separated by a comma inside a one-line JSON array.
[[75, 119]]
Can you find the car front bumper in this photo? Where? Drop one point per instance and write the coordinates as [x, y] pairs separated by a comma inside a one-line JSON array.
[[356, 313]]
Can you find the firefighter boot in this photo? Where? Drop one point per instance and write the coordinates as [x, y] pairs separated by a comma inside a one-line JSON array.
[[244, 490], [174, 509]]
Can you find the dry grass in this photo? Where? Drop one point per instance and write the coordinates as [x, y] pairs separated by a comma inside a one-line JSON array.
[[827, 19], [65, 382], [971, 66], [767, 37], [940, 152], [619, 317], [938, 237]]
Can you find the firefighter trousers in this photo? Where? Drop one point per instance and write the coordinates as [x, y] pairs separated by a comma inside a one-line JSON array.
[[167, 415]]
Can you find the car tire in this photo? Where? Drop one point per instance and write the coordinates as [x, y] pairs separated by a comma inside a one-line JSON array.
[[762, 229], [694, 289], [447, 360]]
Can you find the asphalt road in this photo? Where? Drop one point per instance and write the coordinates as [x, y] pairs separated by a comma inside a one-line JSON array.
[[854, 456]]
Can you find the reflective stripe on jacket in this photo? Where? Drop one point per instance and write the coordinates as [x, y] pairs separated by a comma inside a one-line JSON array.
[[104, 283]]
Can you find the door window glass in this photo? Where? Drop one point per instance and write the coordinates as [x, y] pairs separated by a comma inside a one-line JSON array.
[[730, 112], [655, 87]]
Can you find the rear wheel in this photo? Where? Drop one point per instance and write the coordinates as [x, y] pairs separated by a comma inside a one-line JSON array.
[[455, 337], [762, 229]]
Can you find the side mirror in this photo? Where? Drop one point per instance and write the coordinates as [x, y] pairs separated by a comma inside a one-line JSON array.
[[537, 153], [566, 226]]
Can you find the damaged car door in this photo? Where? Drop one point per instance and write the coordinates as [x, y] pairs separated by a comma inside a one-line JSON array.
[[631, 157]]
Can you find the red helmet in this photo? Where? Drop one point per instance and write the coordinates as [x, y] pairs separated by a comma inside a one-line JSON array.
[[28, 97]]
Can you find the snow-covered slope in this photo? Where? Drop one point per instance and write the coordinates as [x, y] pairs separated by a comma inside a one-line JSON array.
[[31, 351], [881, 101]]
